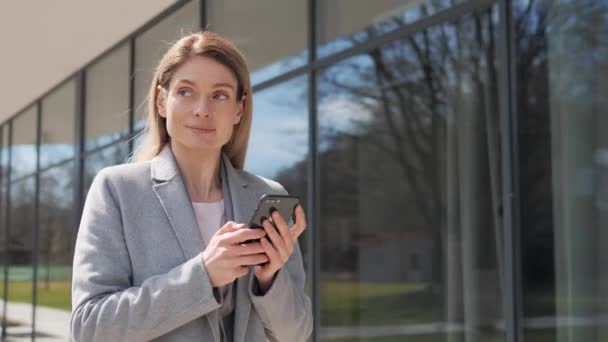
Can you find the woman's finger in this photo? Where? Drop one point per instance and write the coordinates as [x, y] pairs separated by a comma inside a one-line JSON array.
[[241, 235], [300, 225], [275, 238], [283, 229], [248, 249], [273, 254], [248, 260]]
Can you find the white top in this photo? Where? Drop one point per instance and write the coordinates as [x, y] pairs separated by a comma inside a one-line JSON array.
[[210, 218]]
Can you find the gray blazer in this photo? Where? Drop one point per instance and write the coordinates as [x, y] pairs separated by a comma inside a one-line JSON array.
[[138, 273]]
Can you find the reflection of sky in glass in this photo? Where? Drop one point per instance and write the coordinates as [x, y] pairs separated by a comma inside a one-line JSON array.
[[342, 106], [269, 71], [279, 133], [340, 114], [55, 153], [23, 160], [103, 140], [24, 157], [380, 23]]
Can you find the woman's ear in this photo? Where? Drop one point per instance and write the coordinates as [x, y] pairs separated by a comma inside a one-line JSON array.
[[161, 96], [241, 110]]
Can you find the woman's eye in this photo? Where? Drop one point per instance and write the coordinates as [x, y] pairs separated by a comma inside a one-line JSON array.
[[184, 92], [220, 96]]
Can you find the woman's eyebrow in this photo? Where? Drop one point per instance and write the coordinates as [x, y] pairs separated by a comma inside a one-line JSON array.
[[216, 85], [186, 81], [228, 85]]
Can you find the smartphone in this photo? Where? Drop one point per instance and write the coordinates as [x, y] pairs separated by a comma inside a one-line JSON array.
[[285, 204]]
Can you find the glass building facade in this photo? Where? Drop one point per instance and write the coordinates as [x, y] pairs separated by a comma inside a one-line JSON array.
[[452, 156]]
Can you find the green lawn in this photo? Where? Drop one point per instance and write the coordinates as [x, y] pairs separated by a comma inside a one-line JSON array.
[[53, 285], [350, 303], [56, 294], [537, 335], [420, 338]]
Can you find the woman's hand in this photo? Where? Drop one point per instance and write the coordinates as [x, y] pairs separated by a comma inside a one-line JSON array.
[[227, 257], [278, 245]]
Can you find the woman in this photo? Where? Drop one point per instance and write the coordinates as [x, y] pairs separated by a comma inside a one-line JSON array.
[[160, 252]]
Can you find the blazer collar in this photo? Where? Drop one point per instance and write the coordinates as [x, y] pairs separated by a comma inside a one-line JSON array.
[[164, 167], [241, 193]]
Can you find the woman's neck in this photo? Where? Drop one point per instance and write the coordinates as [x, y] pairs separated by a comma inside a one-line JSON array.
[[200, 170]]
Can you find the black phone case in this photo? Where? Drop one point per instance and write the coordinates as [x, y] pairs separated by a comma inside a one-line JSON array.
[[285, 204]]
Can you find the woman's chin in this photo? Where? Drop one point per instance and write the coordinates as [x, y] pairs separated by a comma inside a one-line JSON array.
[[195, 145]]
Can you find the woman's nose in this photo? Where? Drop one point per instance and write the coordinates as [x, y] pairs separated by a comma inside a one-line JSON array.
[[203, 107]]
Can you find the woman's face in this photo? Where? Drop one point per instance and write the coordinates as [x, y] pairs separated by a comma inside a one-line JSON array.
[[200, 104]]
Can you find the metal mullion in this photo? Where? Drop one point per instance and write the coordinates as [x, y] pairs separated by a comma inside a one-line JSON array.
[[3, 213], [7, 221], [79, 127], [17, 180], [36, 226], [313, 173], [52, 166], [512, 298], [86, 154], [203, 14], [282, 78]]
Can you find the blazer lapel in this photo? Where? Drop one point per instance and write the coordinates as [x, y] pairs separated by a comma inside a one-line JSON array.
[[244, 200], [173, 196]]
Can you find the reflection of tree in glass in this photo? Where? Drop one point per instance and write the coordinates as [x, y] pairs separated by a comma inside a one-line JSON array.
[[416, 91], [20, 231], [113, 155], [409, 144], [56, 220]]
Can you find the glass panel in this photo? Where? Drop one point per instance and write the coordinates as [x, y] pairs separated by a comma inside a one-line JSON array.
[[278, 145], [278, 42], [23, 149], [58, 115], [562, 61], [21, 238], [55, 244], [107, 99], [345, 23], [410, 189], [150, 47], [112, 155]]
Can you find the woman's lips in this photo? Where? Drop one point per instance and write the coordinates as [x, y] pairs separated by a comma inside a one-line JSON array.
[[201, 130]]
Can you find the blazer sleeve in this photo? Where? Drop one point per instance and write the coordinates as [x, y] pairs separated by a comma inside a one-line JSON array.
[[285, 309], [105, 305]]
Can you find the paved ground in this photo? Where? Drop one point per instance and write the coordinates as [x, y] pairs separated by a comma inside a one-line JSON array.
[[444, 328], [51, 324]]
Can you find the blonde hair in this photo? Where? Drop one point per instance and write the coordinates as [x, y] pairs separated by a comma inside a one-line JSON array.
[[201, 44]]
